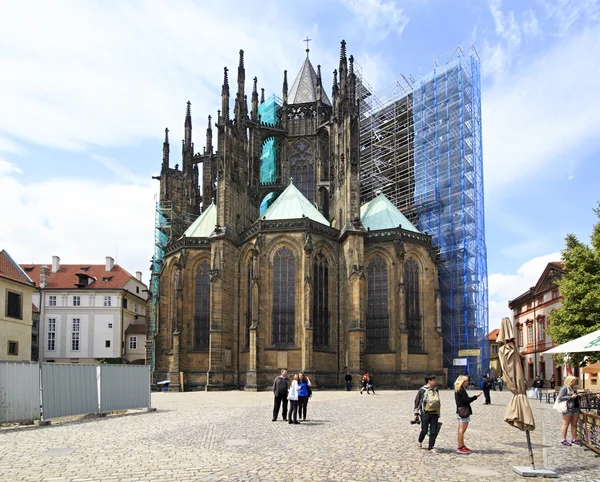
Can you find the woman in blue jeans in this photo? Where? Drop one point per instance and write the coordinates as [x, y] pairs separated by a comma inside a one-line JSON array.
[[303, 393]]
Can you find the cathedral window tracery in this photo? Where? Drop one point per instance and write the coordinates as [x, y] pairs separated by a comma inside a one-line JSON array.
[[202, 307], [302, 163], [377, 305], [321, 301], [284, 296], [412, 307]]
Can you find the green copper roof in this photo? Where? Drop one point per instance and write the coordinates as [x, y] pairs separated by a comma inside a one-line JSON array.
[[204, 224], [380, 213], [292, 204]]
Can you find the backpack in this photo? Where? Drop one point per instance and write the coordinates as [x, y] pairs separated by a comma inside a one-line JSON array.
[[431, 401]]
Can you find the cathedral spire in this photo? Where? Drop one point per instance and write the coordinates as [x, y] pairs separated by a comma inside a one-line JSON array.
[[343, 68], [319, 84], [225, 97], [166, 150], [262, 95], [209, 146], [241, 107], [335, 90], [188, 125], [254, 115], [285, 87]]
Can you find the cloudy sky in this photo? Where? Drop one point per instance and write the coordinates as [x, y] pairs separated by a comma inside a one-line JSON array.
[[87, 88]]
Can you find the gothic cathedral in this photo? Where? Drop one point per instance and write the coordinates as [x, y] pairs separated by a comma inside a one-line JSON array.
[[278, 265]]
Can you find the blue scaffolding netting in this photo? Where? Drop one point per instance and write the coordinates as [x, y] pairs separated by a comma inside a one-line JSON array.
[[421, 145], [268, 157]]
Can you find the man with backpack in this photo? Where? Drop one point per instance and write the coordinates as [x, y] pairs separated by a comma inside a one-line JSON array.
[[427, 407]]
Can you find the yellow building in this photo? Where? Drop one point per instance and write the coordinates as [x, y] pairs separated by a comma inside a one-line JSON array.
[[495, 367], [16, 292]]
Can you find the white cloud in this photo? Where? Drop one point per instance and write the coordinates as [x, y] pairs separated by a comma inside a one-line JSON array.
[[80, 220], [537, 117], [531, 26], [86, 74], [568, 13], [506, 24], [503, 287], [380, 16]]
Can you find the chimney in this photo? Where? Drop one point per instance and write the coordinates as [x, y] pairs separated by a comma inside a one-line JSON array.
[[138, 275], [55, 264], [44, 274], [110, 262]]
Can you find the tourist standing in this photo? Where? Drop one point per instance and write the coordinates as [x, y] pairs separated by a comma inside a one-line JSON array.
[[568, 393], [463, 411], [500, 383], [280, 390], [537, 387], [293, 399], [552, 382], [427, 406], [486, 385], [303, 394], [348, 379]]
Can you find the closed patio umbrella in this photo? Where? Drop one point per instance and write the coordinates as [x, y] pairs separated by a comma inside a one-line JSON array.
[[518, 412]]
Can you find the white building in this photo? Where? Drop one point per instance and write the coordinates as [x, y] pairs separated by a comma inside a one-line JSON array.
[[85, 311], [530, 313]]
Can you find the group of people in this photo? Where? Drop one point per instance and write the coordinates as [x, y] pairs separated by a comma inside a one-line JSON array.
[[296, 392], [428, 406], [366, 383]]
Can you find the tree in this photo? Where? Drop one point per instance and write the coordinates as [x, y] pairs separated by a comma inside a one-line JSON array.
[[580, 288]]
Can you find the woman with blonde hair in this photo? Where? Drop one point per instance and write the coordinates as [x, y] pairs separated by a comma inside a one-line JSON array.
[[293, 399], [569, 394], [463, 411]]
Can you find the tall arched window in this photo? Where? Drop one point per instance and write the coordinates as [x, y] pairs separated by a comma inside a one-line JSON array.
[[321, 301], [202, 308], [173, 322], [377, 305], [302, 163], [249, 276], [412, 310], [284, 296]]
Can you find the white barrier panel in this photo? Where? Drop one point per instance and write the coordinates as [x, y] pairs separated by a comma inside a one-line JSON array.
[[124, 386], [69, 389], [19, 392]]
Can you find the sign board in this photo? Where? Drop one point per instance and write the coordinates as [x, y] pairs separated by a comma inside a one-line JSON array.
[[460, 362], [475, 352]]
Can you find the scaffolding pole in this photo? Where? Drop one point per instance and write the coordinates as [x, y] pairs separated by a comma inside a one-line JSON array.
[[421, 146]]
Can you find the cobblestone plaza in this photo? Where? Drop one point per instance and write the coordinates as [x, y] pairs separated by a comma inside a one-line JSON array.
[[230, 436]]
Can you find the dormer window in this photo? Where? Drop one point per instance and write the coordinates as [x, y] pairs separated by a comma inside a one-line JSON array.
[[84, 268], [106, 279]]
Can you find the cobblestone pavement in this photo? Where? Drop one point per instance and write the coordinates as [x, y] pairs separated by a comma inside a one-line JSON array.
[[230, 436]]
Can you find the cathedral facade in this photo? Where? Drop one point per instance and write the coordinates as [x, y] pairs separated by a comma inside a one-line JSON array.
[[315, 283]]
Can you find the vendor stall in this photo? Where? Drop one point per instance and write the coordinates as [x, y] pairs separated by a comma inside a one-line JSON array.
[[588, 425]]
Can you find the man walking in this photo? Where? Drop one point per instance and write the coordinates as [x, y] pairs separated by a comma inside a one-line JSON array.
[[348, 379], [280, 390], [427, 406]]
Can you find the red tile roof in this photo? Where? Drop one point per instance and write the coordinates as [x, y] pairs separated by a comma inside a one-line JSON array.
[[493, 335], [66, 277], [34, 308], [11, 270]]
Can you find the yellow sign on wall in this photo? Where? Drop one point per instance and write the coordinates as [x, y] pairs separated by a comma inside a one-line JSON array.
[[475, 352]]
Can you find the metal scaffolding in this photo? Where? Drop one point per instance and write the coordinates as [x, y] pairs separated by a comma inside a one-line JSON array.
[[421, 146], [168, 226]]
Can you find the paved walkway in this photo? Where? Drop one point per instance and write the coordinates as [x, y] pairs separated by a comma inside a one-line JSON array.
[[230, 436]]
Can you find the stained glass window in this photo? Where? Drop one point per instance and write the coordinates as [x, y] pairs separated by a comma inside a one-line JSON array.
[[284, 296], [378, 320], [412, 310], [302, 162], [321, 301], [202, 308], [249, 275]]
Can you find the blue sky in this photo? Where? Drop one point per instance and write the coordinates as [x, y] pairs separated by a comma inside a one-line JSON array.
[[87, 88]]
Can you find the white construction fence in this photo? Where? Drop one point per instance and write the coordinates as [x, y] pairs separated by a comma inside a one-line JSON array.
[[29, 391]]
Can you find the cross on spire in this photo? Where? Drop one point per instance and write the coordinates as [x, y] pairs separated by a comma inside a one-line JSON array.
[[307, 40]]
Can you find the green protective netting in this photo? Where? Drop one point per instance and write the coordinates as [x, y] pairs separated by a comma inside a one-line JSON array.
[[268, 165]]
